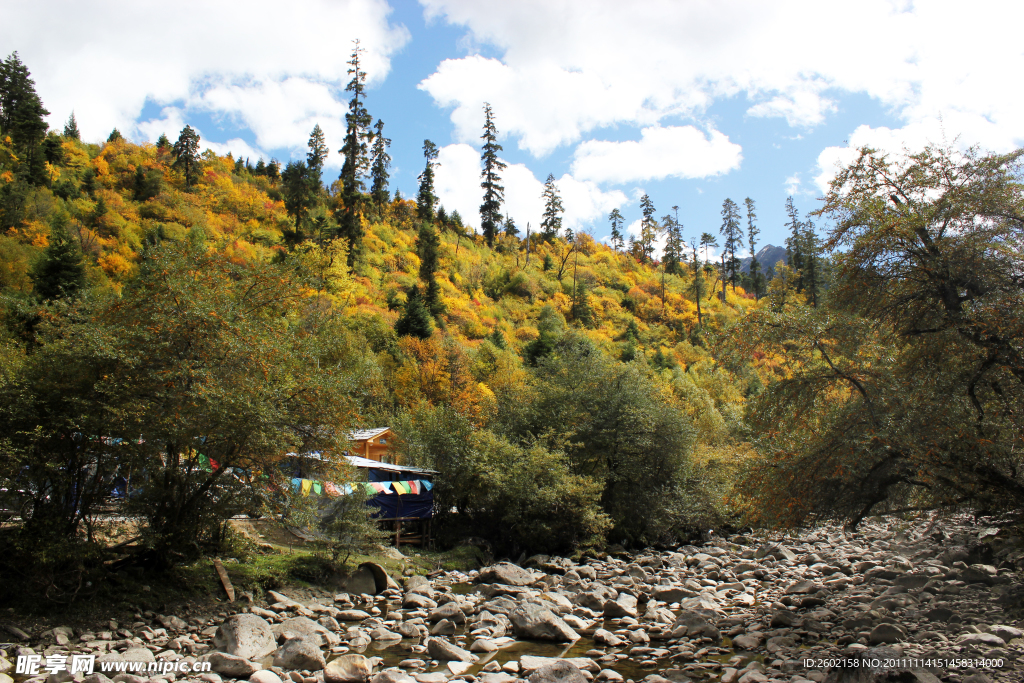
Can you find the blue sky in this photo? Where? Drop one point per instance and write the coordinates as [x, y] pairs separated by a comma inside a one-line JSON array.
[[691, 102]]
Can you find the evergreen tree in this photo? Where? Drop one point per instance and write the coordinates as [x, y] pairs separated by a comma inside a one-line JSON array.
[[794, 243], [752, 233], [60, 273], [114, 136], [510, 227], [298, 201], [497, 338], [415, 320], [733, 234], [615, 218], [261, 167], [581, 310], [186, 155], [71, 131], [274, 170], [494, 191], [707, 240], [552, 221], [315, 159], [425, 198], [355, 150], [21, 111], [648, 228], [673, 256], [380, 162], [427, 245], [163, 142], [811, 257]]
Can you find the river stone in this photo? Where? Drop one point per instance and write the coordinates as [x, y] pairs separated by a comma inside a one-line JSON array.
[[605, 637], [348, 669], [560, 671], [802, 588], [173, 623], [672, 594], [698, 625], [445, 651], [245, 635], [532, 621], [746, 642], [1007, 633], [989, 639], [232, 665], [392, 676], [300, 653], [306, 627], [449, 611], [783, 619], [622, 606], [417, 601], [887, 633], [264, 676], [939, 614], [144, 654], [505, 573]]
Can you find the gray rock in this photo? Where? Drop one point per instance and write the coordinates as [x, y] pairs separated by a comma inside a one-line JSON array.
[[245, 635], [306, 627], [445, 651], [300, 653], [535, 622], [939, 614], [264, 676], [623, 606], [144, 654], [746, 642], [783, 619], [173, 623], [232, 665], [348, 669], [1007, 633], [558, 672], [697, 625], [887, 633], [672, 594], [392, 677], [449, 611], [802, 588], [417, 601], [506, 573], [989, 639], [605, 637]]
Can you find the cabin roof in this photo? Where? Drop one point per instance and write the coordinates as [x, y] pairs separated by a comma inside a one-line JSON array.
[[366, 463], [366, 434]]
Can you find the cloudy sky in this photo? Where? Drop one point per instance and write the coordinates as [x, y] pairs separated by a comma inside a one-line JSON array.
[[691, 101]]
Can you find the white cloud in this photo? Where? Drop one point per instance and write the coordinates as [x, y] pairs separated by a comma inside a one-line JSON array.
[[569, 67], [277, 70], [457, 185], [679, 151], [793, 184]]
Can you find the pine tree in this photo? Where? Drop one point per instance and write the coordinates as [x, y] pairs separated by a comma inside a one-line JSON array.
[[510, 227], [425, 198], [315, 159], [186, 155], [494, 191], [648, 228], [811, 257], [274, 170], [163, 142], [21, 111], [60, 273], [581, 310], [552, 221], [752, 233], [380, 162], [615, 218], [415, 320], [261, 167], [114, 136], [298, 201], [71, 131], [733, 235], [794, 243], [355, 151], [673, 255]]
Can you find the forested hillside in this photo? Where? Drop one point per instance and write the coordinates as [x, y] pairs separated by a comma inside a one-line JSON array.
[[570, 392]]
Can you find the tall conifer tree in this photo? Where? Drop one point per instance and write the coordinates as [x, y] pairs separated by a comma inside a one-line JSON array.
[[380, 162], [494, 191], [552, 221], [186, 155], [733, 234], [752, 233], [355, 150], [615, 218], [71, 131], [425, 198], [648, 228]]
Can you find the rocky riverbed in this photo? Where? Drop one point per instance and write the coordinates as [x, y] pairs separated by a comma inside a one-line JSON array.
[[924, 601]]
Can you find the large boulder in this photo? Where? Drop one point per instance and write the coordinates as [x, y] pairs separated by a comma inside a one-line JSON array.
[[441, 649], [300, 653], [697, 625], [307, 628], [506, 573], [232, 665], [534, 622], [245, 635], [558, 672], [348, 669]]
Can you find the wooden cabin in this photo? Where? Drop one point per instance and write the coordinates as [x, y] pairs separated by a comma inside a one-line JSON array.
[[373, 444]]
